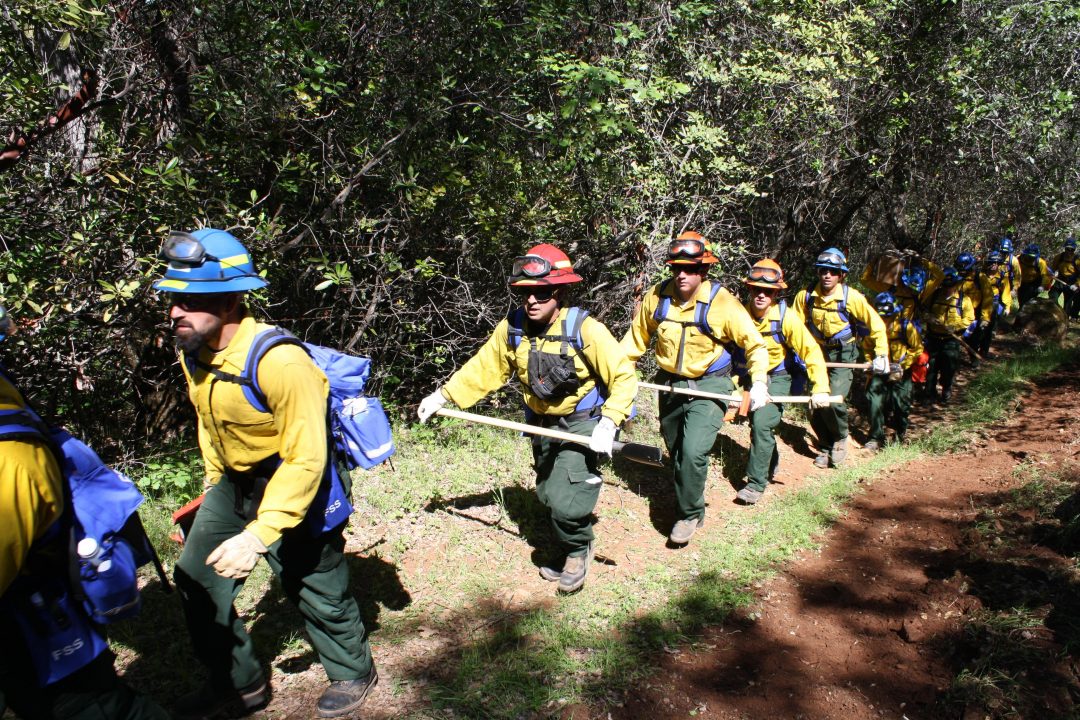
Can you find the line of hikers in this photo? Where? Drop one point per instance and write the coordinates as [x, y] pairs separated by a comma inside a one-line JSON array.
[[278, 488]]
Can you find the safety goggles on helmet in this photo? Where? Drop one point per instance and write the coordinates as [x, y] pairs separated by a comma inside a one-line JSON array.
[[768, 275], [832, 259], [686, 248], [185, 249], [994, 258], [530, 266]]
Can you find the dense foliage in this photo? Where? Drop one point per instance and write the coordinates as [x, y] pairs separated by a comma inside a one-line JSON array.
[[386, 162]]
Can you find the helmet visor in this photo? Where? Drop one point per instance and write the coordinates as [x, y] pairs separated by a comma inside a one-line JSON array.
[[768, 275], [185, 249], [686, 248], [529, 266]]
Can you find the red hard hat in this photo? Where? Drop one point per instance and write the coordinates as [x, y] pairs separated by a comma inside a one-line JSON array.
[[544, 264]]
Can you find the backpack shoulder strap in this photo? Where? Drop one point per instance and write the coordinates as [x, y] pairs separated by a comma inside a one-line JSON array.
[[701, 312], [662, 307], [249, 376], [515, 329]]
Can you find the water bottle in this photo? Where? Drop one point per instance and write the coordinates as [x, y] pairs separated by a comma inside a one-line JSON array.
[[89, 554]]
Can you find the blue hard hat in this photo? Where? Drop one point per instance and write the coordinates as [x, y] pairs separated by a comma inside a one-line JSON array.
[[995, 256], [885, 304], [207, 261], [914, 278], [6, 325], [1070, 243], [1031, 250], [951, 276], [965, 261], [1005, 245], [832, 258]]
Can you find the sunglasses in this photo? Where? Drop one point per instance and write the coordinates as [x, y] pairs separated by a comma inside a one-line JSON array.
[[194, 302], [827, 271], [541, 293], [756, 290], [686, 249]]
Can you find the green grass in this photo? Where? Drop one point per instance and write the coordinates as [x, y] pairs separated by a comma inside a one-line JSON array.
[[590, 646]]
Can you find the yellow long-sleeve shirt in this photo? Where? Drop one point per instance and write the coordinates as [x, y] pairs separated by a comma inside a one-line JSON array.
[[235, 436], [905, 343], [949, 308], [1001, 284], [797, 339], [1067, 267], [681, 348], [31, 495], [824, 315], [496, 362], [1034, 271], [981, 293]]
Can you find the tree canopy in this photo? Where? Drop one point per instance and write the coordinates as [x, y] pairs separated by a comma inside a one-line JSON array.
[[386, 162]]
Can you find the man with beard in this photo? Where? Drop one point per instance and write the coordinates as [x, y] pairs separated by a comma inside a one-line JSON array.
[[264, 470]]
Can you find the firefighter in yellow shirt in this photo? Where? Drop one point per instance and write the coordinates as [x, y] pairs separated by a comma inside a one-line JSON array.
[[1066, 267], [794, 356], [889, 396], [836, 316], [977, 286], [1035, 274], [33, 554], [693, 320], [949, 315], [998, 276], [264, 470], [574, 377]]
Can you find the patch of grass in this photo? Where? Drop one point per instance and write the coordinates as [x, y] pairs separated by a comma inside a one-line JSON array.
[[594, 644], [992, 394]]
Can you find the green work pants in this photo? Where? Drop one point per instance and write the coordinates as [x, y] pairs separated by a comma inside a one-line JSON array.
[[944, 362], [764, 457], [890, 404], [313, 575], [93, 692], [568, 483], [830, 423], [689, 426]]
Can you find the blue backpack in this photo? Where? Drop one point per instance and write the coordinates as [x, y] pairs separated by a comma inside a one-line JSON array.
[[358, 428], [83, 571], [701, 322]]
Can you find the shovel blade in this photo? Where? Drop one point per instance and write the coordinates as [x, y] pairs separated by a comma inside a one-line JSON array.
[[640, 453]]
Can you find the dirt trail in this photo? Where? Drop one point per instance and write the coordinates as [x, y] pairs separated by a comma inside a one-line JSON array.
[[871, 626]]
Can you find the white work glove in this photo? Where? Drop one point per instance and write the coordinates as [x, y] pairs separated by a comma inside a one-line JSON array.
[[896, 372], [982, 324], [759, 396], [235, 557], [1073, 288], [880, 365], [430, 405], [603, 436], [819, 400]]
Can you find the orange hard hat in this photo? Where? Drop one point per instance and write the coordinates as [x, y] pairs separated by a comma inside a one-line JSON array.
[[690, 249], [767, 274], [544, 264]]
